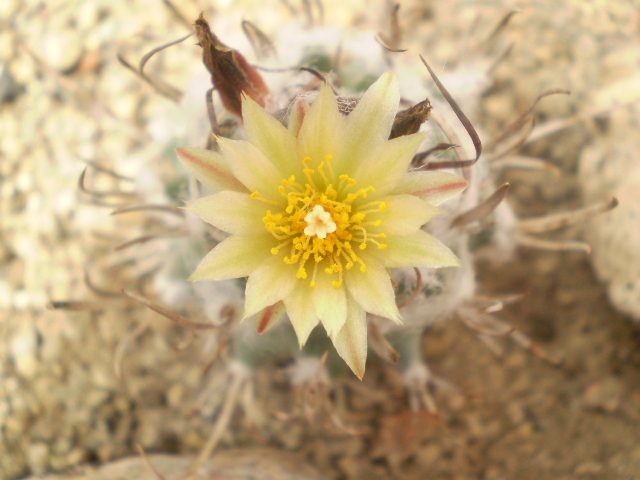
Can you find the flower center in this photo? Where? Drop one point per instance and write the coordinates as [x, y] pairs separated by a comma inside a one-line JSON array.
[[319, 222]]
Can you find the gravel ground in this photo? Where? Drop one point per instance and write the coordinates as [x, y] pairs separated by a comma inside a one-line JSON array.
[[65, 100]]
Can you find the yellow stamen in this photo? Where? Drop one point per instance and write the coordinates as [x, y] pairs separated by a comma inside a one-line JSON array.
[[256, 196], [335, 230]]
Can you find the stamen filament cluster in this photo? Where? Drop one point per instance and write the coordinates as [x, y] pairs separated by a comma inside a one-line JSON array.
[[322, 206]]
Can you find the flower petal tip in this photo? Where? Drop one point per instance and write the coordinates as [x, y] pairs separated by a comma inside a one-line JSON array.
[[397, 319], [389, 78], [268, 317]]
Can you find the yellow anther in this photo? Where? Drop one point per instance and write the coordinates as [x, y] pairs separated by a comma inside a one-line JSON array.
[[382, 246], [292, 260], [290, 222]]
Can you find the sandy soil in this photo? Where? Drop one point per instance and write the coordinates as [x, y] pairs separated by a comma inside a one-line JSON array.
[[65, 98]]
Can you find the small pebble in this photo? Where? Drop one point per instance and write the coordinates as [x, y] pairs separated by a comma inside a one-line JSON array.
[[61, 50], [37, 457], [588, 468], [24, 350], [603, 395]]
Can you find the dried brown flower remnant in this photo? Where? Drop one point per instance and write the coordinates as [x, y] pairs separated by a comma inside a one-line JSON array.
[[409, 121], [231, 74]]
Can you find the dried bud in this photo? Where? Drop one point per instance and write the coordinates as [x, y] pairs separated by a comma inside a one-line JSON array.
[[231, 74]]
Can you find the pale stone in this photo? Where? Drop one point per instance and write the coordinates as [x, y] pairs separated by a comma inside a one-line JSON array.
[[24, 350], [611, 168], [263, 463], [8, 7], [37, 457], [61, 50]]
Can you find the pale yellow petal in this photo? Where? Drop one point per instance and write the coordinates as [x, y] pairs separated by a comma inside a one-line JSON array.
[[405, 214], [369, 124], [270, 136], [435, 187], [269, 316], [297, 113], [330, 302], [387, 164], [322, 132], [372, 289], [351, 340], [210, 168], [234, 257], [416, 250], [251, 167], [301, 311], [232, 212], [272, 281]]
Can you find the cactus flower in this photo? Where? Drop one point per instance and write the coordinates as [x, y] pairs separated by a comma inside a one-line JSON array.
[[318, 213]]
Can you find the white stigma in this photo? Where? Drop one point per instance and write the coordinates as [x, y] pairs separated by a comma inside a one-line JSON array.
[[319, 223]]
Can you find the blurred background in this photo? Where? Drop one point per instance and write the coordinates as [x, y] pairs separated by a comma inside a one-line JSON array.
[[87, 382]]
